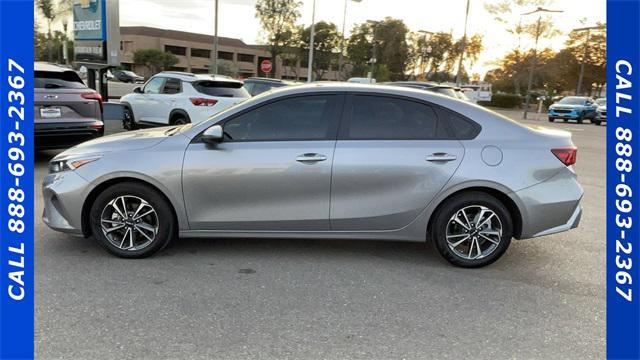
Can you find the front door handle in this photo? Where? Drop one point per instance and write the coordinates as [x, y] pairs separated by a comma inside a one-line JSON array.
[[441, 156], [310, 158]]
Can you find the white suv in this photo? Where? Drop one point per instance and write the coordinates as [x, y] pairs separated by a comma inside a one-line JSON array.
[[170, 98]]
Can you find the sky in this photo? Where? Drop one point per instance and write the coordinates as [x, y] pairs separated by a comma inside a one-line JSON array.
[[237, 19]]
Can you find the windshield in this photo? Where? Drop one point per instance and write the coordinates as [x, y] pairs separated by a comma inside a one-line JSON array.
[[601, 102], [572, 101]]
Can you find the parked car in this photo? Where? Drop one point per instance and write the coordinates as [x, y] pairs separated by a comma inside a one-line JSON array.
[[443, 89], [576, 108], [174, 98], [66, 111], [257, 85], [601, 112], [323, 161], [127, 76]]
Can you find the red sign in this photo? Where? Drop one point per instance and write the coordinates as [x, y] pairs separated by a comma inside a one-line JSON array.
[[265, 66]]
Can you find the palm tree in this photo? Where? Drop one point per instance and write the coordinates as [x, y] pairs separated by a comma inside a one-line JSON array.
[[51, 10]]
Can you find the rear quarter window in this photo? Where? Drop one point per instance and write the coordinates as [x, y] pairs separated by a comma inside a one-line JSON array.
[[462, 127], [57, 80], [221, 88]]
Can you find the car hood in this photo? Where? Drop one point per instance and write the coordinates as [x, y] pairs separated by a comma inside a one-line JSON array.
[[125, 141]]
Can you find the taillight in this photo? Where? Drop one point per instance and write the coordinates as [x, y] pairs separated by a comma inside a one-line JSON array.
[[566, 154], [94, 96], [203, 101]]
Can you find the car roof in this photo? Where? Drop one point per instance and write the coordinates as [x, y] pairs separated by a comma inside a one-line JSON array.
[[45, 66], [190, 77], [422, 84]]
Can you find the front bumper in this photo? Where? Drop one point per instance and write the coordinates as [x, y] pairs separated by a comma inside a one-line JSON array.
[[566, 114], [64, 194], [552, 206]]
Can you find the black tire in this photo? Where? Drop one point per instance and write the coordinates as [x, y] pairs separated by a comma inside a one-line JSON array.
[[551, 119], [164, 219], [581, 118], [464, 201], [179, 120], [565, 120], [596, 122], [128, 121]]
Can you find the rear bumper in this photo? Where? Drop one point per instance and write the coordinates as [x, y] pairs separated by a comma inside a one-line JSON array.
[[552, 206], [65, 134]]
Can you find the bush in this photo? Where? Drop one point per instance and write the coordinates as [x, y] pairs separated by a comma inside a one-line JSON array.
[[506, 101]]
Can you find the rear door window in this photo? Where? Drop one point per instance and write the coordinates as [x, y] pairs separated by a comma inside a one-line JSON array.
[[58, 80], [387, 118], [221, 88], [172, 86]]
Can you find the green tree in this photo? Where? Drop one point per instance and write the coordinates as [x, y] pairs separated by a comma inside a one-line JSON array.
[[52, 10], [226, 67], [154, 59], [326, 43], [391, 47], [278, 18]]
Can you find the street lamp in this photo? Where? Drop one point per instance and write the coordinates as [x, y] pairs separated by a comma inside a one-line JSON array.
[[535, 54], [215, 40], [464, 45], [311, 44], [373, 60], [344, 22], [65, 56], [584, 56]]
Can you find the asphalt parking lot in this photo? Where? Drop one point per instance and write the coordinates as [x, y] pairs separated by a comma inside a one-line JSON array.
[[336, 299]]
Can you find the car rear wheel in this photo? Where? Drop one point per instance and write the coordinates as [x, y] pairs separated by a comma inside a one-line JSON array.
[[472, 229], [551, 119], [580, 118], [596, 122], [131, 220], [128, 122]]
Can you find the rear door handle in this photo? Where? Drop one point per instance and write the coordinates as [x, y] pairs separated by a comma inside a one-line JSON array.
[[441, 156], [311, 158]]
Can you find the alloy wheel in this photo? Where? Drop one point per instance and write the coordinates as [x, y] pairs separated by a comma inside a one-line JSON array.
[[474, 232], [129, 223]]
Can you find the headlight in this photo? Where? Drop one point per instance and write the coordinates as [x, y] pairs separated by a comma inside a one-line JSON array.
[[56, 166]]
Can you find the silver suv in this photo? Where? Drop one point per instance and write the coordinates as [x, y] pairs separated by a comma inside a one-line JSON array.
[[323, 161]]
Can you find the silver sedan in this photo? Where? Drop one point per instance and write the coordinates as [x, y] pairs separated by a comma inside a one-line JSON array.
[[323, 161]]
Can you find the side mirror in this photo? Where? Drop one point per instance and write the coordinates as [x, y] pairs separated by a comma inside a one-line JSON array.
[[213, 135], [137, 90]]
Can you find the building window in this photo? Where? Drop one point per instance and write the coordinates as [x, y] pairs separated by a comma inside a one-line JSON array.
[[201, 53], [246, 57], [225, 55], [175, 50]]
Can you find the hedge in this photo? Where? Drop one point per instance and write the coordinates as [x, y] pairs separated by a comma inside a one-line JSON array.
[[503, 101]]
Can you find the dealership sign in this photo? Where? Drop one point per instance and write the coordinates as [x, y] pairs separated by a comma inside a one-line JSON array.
[[96, 29]]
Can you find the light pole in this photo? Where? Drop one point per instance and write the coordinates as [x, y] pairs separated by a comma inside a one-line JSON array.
[[535, 54], [584, 55], [311, 44], [464, 45], [344, 23], [215, 40], [65, 56], [425, 53], [373, 50]]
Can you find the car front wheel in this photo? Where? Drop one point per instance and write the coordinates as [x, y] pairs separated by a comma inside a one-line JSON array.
[[551, 119], [472, 230], [131, 220]]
